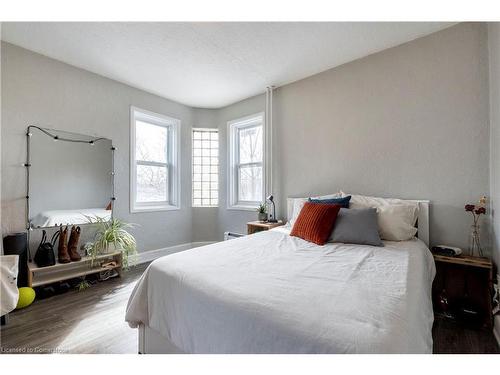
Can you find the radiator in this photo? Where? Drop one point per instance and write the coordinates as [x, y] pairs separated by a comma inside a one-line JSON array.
[[231, 235]]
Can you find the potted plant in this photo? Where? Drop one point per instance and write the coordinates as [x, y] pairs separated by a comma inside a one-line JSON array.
[[262, 212], [112, 235]]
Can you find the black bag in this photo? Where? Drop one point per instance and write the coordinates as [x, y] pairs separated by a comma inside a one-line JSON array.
[[45, 253]]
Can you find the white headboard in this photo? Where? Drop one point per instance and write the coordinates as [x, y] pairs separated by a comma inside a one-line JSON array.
[[422, 223], [423, 220]]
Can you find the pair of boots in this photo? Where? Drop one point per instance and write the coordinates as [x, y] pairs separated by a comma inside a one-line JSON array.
[[68, 252]]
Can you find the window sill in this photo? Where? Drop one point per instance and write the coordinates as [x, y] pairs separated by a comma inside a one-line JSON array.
[[136, 210], [242, 208]]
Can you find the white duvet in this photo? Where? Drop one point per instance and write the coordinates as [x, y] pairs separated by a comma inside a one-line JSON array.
[[273, 293]]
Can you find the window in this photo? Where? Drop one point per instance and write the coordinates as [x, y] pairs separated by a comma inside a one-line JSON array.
[[154, 169], [246, 168], [205, 167]]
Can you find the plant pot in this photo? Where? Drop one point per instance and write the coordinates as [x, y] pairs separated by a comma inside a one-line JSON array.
[[262, 216], [112, 248]]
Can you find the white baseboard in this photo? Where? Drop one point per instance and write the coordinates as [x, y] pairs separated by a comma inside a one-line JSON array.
[[148, 256], [496, 328]]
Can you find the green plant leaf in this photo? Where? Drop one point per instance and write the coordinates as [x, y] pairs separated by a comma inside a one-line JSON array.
[[115, 232]]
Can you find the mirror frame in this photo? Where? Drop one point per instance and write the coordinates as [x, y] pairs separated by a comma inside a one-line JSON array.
[[27, 166]]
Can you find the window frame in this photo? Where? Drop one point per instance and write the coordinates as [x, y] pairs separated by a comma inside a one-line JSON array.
[[233, 203], [172, 161], [213, 130]]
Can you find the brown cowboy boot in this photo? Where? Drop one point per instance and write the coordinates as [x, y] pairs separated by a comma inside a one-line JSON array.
[[62, 249], [74, 238]]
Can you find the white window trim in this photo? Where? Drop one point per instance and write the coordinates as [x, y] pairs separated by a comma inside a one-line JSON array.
[[218, 169], [232, 203], [174, 165]]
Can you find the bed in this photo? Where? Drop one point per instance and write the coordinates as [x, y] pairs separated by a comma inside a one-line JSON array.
[[274, 293], [67, 217]]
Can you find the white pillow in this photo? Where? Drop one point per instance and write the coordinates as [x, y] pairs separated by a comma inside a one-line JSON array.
[[329, 196], [395, 222], [298, 203], [363, 201]]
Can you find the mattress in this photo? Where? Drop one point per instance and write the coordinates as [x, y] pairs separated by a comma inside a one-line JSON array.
[[65, 217], [274, 293]]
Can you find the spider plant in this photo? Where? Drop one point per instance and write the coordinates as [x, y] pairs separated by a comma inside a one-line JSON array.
[[113, 232], [82, 285]]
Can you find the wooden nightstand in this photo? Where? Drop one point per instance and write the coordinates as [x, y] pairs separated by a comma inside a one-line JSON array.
[[259, 226], [464, 280]]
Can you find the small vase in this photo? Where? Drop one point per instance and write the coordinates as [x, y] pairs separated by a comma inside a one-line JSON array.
[[111, 248], [262, 216], [475, 242]]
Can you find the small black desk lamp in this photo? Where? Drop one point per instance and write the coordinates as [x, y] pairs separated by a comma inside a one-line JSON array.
[[273, 218]]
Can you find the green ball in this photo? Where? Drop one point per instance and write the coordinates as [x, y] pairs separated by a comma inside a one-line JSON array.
[[26, 297]]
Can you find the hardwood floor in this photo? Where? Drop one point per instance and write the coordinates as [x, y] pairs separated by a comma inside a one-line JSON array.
[[92, 321], [451, 338]]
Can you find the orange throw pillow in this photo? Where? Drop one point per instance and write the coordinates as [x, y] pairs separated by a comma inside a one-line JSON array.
[[315, 222]]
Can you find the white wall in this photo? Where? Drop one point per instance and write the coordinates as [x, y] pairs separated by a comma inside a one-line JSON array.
[[494, 60], [409, 122], [39, 90]]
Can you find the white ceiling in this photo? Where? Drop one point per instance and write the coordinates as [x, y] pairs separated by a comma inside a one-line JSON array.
[[210, 65]]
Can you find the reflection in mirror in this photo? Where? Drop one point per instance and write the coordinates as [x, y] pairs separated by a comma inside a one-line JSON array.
[[70, 178]]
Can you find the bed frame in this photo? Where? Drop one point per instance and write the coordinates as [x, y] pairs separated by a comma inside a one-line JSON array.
[[152, 342]]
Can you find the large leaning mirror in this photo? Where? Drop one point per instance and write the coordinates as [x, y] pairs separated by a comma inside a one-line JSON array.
[[70, 178]]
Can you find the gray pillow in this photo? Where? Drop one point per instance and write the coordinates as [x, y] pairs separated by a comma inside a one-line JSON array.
[[357, 226]]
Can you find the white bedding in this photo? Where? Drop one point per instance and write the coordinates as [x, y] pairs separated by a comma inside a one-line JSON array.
[[65, 217], [273, 293]]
